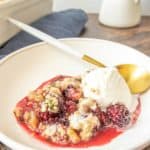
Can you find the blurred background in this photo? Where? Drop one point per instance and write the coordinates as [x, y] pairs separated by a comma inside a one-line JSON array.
[[92, 6]]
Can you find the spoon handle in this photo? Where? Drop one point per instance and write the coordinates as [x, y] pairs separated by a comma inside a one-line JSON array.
[[92, 61], [51, 40], [44, 37]]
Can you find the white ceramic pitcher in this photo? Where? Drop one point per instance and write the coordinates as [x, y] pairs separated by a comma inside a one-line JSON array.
[[120, 13]]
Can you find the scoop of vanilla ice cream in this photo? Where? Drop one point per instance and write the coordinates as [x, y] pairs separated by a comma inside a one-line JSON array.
[[107, 86]]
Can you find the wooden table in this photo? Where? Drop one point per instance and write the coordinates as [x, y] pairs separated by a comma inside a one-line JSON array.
[[137, 37]]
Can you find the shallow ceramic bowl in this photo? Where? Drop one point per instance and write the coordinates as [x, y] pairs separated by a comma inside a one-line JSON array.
[[27, 68]]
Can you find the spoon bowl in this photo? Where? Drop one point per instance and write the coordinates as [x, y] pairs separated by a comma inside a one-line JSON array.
[[137, 78]]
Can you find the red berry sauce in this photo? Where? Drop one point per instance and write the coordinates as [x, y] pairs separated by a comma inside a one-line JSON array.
[[103, 137]]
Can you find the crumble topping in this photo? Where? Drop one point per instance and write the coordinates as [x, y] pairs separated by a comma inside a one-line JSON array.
[[60, 112]]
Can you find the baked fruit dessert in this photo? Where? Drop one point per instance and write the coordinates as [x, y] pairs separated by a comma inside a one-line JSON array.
[[70, 111]]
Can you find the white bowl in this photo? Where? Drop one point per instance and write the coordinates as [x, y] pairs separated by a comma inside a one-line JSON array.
[[27, 68]]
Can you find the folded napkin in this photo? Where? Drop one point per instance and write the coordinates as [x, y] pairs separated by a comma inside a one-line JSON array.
[[68, 23]]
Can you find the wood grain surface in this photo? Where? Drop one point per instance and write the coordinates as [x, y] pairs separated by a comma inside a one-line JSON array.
[[137, 37]]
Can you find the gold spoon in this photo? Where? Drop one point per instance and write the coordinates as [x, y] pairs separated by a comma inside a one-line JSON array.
[[137, 78]]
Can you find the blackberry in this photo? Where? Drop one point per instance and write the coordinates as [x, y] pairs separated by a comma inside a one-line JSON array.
[[119, 115], [70, 106], [104, 119], [48, 117], [44, 116], [71, 93]]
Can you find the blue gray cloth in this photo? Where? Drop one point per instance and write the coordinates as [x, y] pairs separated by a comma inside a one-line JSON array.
[[68, 23]]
